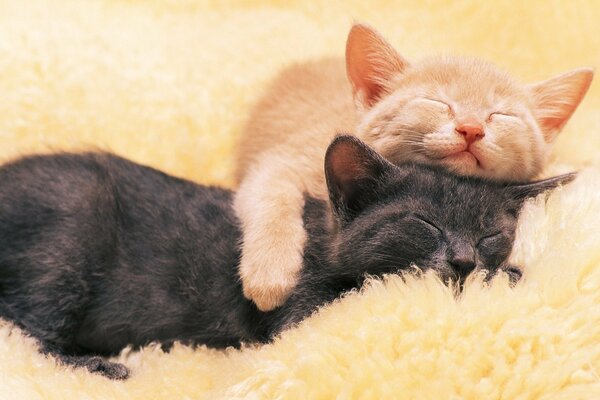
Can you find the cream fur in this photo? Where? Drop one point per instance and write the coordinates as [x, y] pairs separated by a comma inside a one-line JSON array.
[[169, 84]]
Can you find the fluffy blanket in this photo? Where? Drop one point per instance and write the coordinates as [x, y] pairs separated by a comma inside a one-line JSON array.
[[169, 83]]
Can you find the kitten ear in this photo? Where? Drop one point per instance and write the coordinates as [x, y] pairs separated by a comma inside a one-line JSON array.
[[370, 62], [532, 189], [352, 171], [556, 99]]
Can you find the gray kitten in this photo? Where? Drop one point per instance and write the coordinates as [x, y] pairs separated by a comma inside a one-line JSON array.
[[97, 252]]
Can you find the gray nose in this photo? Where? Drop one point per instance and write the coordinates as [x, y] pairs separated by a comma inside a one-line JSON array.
[[463, 259]]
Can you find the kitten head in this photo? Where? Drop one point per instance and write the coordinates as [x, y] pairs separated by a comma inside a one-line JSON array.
[[464, 114], [391, 217]]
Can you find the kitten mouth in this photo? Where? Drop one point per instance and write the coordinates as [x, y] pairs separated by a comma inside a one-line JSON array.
[[464, 158]]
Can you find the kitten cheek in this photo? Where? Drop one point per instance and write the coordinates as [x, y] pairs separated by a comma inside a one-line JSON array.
[[442, 141], [445, 132], [393, 148], [436, 123], [514, 147], [513, 129], [424, 119]]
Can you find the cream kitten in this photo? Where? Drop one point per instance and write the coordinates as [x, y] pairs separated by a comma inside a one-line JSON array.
[[462, 113]]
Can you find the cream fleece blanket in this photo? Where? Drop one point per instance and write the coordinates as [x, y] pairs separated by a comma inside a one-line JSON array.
[[169, 83]]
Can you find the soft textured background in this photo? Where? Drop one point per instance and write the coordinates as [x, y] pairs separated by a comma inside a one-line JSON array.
[[169, 83]]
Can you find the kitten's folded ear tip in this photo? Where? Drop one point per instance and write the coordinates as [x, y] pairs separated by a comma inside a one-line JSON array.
[[559, 180], [532, 189], [566, 178], [572, 175]]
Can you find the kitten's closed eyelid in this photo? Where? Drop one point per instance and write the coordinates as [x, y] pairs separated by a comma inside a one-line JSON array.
[[438, 101], [448, 106], [425, 220], [490, 236], [501, 113]]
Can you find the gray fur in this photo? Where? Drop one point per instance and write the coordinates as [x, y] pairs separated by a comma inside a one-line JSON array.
[[97, 252]]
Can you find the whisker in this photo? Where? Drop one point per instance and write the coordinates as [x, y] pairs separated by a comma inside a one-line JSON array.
[[404, 130]]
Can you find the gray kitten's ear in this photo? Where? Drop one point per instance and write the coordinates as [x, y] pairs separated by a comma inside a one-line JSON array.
[[353, 171], [527, 190]]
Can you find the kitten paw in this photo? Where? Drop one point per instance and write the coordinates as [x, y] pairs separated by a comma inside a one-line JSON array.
[[514, 275], [269, 296], [271, 282], [272, 253], [96, 365], [109, 369]]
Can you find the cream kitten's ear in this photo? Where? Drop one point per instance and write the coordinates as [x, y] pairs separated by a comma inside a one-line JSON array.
[[370, 62], [556, 99]]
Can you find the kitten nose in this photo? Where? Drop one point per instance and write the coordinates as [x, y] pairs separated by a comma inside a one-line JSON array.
[[471, 130], [463, 260]]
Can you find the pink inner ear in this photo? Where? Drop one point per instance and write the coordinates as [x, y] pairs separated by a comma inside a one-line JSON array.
[[346, 163], [370, 62], [557, 99]]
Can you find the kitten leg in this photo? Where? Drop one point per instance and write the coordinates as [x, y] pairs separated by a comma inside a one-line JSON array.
[[514, 274], [54, 329], [269, 204], [46, 303], [97, 365]]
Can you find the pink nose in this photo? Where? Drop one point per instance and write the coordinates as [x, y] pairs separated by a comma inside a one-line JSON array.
[[472, 131]]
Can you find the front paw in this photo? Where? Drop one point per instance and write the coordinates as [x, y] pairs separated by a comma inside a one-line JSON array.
[[514, 274], [268, 280], [268, 296], [97, 365], [109, 369]]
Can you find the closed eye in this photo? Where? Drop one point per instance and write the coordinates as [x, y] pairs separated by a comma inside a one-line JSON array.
[[437, 101], [502, 114], [431, 224], [493, 235]]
